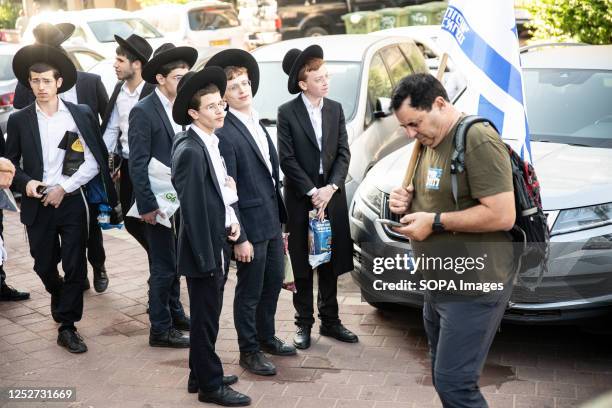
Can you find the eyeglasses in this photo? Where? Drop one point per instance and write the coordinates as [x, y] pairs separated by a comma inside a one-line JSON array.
[[240, 85], [319, 80], [216, 107]]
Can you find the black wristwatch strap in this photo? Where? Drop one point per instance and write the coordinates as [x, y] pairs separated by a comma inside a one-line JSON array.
[[437, 225]]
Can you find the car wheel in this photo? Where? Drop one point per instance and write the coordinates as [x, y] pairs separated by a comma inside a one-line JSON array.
[[315, 32]]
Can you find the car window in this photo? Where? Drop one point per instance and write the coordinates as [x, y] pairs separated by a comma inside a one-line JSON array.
[[414, 54], [105, 30], [343, 89], [397, 64], [569, 106], [379, 84], [86, 59], [6, 68], [212, 19]]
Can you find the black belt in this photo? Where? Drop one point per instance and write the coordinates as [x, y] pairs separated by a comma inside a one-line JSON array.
[[75, 192]]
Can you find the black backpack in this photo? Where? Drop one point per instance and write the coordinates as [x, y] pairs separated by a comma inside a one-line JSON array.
[[530, 228]]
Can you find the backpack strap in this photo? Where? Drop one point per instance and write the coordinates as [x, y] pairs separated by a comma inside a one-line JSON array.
[[458, 156]]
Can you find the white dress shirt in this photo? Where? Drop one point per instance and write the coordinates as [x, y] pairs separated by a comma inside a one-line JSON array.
[[316, 119], [120, 119], [52, 130], [70, 95], [229, 196], [257, 132], [168, 108]]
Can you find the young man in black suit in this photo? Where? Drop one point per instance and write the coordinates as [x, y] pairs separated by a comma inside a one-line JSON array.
[[53, 206], [131, 55], [151, 133], [208, 221], [90, 91], [314, 156], [252, 161]]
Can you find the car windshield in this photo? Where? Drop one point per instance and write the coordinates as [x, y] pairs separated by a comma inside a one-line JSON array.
[[6, 68], [212, 19], [569, 106], [166, 21], [344, 80], [105, 30]]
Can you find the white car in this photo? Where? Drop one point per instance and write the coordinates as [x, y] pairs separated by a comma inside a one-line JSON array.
[[427, 38], [198, 23], [96, 28], [363, 69]]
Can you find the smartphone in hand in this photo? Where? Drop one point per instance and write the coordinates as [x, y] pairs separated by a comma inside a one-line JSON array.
[[390, 223]]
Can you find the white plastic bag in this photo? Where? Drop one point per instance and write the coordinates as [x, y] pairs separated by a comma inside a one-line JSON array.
[[165, 194]]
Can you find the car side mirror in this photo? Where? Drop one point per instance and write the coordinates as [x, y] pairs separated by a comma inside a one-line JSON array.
[[383, 107]]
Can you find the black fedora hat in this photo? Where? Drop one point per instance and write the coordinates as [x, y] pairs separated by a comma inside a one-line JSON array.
[[294, 60], [191, 83], [137, 46], [238, 58], [52, 35], [165, 54], [32, 54]]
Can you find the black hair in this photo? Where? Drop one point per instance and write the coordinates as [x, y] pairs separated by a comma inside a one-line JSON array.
[[196, 101], [422, 89], [40, 67], [165, 69], [128, 54]]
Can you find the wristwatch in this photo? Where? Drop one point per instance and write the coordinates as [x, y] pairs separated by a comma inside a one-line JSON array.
[[334, 187], [437, 225]]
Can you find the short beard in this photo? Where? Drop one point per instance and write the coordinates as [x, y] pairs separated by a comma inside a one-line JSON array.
[[128, 77]]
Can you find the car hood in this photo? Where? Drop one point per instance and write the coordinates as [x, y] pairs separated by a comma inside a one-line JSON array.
[[570, 176]]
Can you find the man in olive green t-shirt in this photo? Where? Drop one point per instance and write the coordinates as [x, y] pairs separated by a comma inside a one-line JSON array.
[[460, 324]]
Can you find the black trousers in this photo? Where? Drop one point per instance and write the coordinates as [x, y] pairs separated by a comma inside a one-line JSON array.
[[95, 244], [61, 234], [327, 301], [126, 197], [164, 283], [2, 273], [205, 307], [257, 290]]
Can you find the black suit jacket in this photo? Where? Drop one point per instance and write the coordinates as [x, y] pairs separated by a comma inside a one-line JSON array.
[[261, 209], [202, 230], [150, 136], [89, 89], [23, 142], [146, 90], [300, 157]]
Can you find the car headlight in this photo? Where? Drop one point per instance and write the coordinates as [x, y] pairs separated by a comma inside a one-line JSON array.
[[582, 218], [372, 197]]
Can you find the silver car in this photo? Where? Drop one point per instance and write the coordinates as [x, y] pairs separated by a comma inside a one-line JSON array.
[[568, 93]]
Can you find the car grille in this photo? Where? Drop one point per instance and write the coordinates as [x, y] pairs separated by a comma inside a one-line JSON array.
[[553, 290]]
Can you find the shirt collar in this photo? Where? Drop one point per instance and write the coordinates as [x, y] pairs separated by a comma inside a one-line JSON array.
[[309, 105], [244, 118], [61, 107], [210, 140], [164, 100], [136, 92]]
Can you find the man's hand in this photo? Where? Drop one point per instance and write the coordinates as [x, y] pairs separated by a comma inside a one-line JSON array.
[[418, 226], [151, 217], [54, 196], [321, 197], [230, 183], [7, 172], [400, 199], [31, 188], [6, 166], [234, 232], [244, 252]]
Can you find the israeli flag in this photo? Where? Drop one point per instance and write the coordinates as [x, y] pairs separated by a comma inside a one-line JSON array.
[[481, 39]]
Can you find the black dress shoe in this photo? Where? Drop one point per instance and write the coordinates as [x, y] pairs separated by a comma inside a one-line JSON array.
[[192, 384], [100, 279], [71, 341], [86, 284], [257, 363], [277, 347], [172, 338], [339, 332], [181, 323], [225, 396], [8, 293], [301, 339], [55, 298]]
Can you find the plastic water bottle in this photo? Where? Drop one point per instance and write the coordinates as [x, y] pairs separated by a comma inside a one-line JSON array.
[[104, 216]]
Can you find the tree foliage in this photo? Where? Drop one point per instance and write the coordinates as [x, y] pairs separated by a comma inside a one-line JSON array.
[[588, 21], [9, 12]]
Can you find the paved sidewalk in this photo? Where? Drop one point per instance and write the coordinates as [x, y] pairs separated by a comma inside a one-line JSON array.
[[528, 366]]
